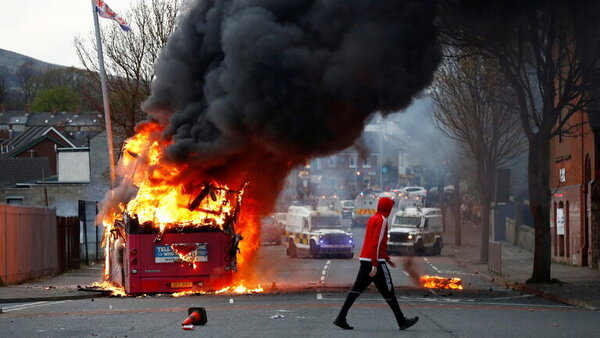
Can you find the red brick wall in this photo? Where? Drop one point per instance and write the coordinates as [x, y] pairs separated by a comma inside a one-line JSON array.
[[570, 153], [44, 149]]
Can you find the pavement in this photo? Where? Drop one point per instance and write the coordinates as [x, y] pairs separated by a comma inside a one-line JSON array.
[[68, 285], [577, 286], [574, 285]]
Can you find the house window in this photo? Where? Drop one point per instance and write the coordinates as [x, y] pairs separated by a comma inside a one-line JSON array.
[[317, 163], [366, 162], [14, 200], [332, 161], [352, 161]]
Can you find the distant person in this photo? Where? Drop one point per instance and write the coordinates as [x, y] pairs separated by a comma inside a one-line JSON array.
[[373, 268]]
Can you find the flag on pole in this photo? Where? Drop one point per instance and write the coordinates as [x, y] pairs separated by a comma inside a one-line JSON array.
[[107, 13]]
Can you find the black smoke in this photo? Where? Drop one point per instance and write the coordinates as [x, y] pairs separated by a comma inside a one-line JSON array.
[[253, 87]]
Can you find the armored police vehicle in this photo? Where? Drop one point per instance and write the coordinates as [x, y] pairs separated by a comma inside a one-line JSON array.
[[318, 232], [416, 231]]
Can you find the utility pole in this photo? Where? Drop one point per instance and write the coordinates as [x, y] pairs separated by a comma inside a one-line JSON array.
[[105, 101]]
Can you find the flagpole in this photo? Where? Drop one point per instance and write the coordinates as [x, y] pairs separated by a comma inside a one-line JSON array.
[[105, 102]]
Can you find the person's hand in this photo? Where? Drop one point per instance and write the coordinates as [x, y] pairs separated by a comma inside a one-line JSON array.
[[392, 264], [373, 271]]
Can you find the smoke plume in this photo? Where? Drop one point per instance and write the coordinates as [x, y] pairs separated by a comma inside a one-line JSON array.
[[246, 89]]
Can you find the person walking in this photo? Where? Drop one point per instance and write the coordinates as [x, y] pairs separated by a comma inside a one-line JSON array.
[[373, 268]]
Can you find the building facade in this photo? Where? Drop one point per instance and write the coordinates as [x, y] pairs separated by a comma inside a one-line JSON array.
[[574, 171]]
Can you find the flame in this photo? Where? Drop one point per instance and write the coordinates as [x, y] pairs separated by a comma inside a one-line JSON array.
[[172, 195], [236, 289], [107, 286], [436, 282]]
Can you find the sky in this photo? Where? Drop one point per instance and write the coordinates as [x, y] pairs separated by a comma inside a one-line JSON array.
[[45, 29]]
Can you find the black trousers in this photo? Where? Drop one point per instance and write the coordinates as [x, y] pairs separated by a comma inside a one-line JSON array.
[[383, 282]]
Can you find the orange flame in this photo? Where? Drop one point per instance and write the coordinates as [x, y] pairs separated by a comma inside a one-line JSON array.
[[169, 195], [107, 286], [436, 282], [235, 289]]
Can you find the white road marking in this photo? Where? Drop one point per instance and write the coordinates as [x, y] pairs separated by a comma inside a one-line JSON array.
[[513, 297], [319, 296], [405, 273], [453, 301], [324, 272], [432, 266], [30, 305]]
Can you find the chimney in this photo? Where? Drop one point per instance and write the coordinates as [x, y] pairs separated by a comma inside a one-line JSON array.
[[53, 109], [77, 109], [27, 109]]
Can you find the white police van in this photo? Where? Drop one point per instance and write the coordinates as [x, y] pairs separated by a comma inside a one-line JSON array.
[[318, 232], [416, 231]]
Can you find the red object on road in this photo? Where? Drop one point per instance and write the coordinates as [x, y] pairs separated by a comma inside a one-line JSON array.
[[197, 316]]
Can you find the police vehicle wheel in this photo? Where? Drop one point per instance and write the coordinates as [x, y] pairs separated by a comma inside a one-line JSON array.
[[314, 250], [419, 249], [437, 248], [291, 250]]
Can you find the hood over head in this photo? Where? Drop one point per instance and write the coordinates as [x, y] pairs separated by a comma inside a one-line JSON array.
[[384, 206]]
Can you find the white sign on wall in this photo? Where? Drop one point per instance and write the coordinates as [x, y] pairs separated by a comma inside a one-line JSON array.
[[560, 221], [562, 175]]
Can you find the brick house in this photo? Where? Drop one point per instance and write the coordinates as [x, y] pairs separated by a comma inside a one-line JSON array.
[[574, 169]]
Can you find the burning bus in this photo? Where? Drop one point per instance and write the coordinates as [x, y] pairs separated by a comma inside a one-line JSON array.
[[167, 233], [196, 255]]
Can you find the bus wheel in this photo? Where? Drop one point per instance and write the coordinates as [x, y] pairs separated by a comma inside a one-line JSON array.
[[291, 250]]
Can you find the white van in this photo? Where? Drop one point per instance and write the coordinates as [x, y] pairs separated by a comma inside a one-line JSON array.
[[317, 232], [416, 231]]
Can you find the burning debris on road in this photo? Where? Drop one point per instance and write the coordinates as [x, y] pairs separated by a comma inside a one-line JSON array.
[[245, 91]]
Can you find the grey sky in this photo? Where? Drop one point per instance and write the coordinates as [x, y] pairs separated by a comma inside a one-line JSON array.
[[44, 29]]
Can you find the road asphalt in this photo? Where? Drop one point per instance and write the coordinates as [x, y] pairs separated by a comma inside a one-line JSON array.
[[577, 286]]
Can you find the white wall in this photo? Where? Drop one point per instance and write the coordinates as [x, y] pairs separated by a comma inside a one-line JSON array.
[[74, 166]]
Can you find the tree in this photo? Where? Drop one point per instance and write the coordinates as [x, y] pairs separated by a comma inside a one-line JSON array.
[[55, 99], [129, 61], [534, 44], [473, 107], [29, 81], [3, 85]]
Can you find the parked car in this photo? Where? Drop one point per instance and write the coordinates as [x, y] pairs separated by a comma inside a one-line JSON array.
[[270, 233], [347, 208]]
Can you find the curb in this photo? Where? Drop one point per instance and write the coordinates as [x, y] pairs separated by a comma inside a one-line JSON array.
[[525, 288], [52, 298]]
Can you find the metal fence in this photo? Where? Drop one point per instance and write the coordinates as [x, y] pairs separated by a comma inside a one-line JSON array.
[[91, 234], [68, 243], [495, 257], [28, 243]]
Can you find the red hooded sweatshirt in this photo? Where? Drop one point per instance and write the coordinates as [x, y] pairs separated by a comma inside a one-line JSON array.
[[375, 245]]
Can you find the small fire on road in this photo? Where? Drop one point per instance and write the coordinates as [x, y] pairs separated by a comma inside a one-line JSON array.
[[437, 282], [239, 289]]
